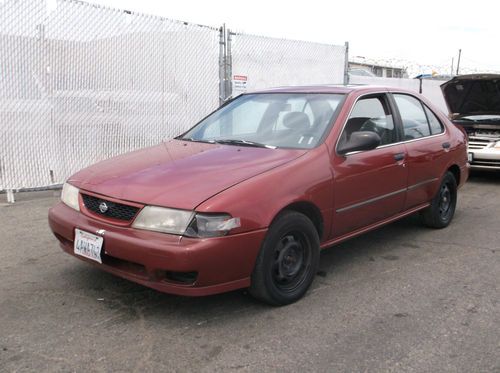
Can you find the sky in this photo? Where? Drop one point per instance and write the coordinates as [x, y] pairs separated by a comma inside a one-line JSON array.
[[423, 32]]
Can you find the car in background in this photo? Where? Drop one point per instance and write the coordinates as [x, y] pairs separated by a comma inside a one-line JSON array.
[[249, 196], [474, 103]]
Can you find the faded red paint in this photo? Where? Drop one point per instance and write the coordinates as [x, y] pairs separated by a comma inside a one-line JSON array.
[[254, 184]]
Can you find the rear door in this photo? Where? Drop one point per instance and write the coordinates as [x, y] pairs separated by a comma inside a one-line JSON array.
[[426, 146], [370, 186]]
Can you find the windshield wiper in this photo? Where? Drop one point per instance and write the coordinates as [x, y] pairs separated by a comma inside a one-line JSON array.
[[194, 140], [244, 143]]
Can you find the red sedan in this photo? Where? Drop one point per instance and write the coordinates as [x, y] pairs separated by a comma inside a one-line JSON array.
[[249, 196]]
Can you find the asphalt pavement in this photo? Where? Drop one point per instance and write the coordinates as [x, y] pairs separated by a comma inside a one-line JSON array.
[[403, 298]]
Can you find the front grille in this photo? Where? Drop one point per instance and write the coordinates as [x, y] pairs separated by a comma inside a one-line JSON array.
[[487, 133], [114, 210], [476, 143]]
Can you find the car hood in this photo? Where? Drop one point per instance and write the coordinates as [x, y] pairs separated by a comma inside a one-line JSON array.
[[475, 94], [179, 174]]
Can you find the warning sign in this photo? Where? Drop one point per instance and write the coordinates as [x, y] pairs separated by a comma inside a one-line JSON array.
[[239, 84]]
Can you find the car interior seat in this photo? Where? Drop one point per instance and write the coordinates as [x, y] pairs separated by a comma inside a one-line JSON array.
[[297, 124], [296, 121]]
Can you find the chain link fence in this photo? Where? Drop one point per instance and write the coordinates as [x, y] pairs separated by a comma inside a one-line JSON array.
[[286, 62], [80, 83], [429, 88]]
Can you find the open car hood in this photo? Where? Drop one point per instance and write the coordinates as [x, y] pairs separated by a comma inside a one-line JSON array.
[[475, 94]]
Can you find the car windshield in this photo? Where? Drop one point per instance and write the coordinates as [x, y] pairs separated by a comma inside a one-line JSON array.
[[289, 120]]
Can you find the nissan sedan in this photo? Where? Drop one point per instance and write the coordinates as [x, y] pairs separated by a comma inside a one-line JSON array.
[[249, 196]]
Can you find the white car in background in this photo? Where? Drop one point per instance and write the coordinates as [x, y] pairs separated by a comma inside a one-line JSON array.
[[474, 104]]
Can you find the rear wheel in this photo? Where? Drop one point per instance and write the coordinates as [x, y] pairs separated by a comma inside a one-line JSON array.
[[288, 260], [440, 213]]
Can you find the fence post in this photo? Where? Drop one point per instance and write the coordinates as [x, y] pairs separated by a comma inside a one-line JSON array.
[[346, 64], [222, 64], [10, 196], [229, 65], [225, 65]]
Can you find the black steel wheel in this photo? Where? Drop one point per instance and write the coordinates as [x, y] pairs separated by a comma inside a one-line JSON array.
[[288, 260], [442, 209], [292, 259]]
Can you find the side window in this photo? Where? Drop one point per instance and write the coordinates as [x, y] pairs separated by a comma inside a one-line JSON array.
[[434, 123], [371, 114], [415, 123]]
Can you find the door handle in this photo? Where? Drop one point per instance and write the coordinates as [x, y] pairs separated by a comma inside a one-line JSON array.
[[399, 156], [446, 145]]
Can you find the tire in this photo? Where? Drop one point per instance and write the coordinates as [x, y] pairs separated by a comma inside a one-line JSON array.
[[440, 213], [288, 260]]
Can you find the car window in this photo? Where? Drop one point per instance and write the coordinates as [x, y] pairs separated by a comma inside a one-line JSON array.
[[245, 119], [414, 120], [298, 105], [371, 114], [289, 120], [434, 123]]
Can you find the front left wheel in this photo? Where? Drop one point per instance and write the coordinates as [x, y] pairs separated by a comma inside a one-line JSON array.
[[288, 260]]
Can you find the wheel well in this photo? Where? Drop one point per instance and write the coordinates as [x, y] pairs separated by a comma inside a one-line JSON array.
[[455, 170], [311, 211]]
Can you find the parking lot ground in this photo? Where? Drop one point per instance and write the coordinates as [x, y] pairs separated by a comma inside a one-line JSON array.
[[403, 298]]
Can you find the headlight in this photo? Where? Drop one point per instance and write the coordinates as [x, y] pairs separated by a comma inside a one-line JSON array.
[[183, 222], [164, 220], [69, 196], [205, 225], [497, 145]]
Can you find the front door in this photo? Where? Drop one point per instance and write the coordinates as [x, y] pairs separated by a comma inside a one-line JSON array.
[[369, 186]]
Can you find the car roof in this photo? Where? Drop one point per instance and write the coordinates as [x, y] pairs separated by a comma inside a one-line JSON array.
[[329, 88]]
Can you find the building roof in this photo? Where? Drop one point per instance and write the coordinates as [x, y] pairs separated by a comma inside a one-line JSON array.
[[374, 64]]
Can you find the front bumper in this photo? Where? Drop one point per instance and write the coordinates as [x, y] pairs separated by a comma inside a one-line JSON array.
[[221, 264], [485, 159]]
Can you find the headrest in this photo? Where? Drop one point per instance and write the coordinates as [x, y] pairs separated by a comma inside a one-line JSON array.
[[296, 120]]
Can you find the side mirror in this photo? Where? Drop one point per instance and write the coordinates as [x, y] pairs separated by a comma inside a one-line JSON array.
[[360, 140]]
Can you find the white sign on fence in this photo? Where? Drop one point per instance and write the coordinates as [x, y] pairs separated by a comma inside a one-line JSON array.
[[239, 84]]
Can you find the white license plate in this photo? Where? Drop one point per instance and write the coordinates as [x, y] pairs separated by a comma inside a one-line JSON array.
[[88, 245], [470, 157]]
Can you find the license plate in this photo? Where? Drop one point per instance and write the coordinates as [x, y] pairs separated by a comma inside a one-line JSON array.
[[470, 157], [88, 245]]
